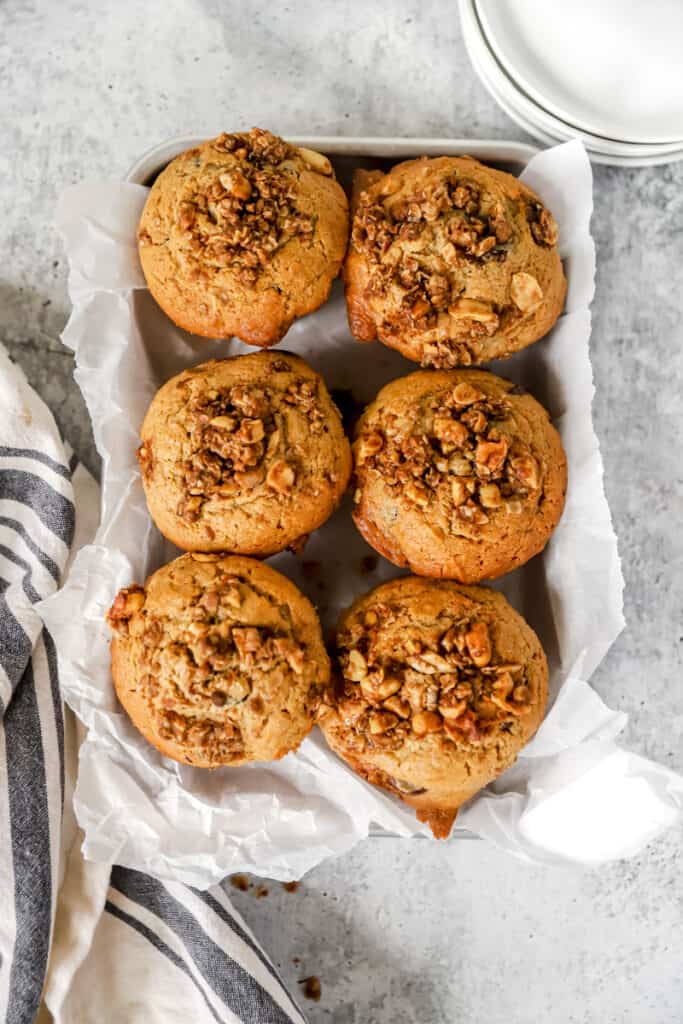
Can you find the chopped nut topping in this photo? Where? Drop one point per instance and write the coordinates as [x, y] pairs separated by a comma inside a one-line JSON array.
[[281, 477], [451, 431], [458, 455], [476, 312], [250, 209], [186, 215], [212, 737], [489, 496], [429, 663], [316, 160], [235, 184], [228, 423], [417, 494], [447, 682], [234, 438], [193, 675], [425, 722], [291, 652], [247, 641], [382, 721], [479, 644], [357, 667], [542, 224], [145, 457], [467, 394], [459, 491], [490, 455], [369, 445], [127, 602], [398, 706], [525, 292], [378, 689], [418, 248], [525, 468]]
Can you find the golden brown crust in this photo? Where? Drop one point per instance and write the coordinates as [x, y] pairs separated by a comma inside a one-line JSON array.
[[451, 262], [245, 454], [242, 235], [457, 474], [218, 660], [440, 687]]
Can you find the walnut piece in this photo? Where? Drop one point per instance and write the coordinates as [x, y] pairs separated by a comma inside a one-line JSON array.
[[382, 721], [474, 310], [145, 457], [525, 292], [542, 223], [467, 394], [235, 184], [369, 445], [490, 455], [479, 644], [317, 161], [127, 603], [425, 722], [281, 477], [526, 469]]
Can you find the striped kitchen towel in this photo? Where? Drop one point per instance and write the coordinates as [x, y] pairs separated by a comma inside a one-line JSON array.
[[81, 942]]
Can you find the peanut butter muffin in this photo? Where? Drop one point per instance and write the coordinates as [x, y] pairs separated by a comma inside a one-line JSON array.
[[245, 454], [440, 687], [458, 473], [242, 235], [451, 262], [218, 660]]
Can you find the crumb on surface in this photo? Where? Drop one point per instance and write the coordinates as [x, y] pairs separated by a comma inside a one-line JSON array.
[[240, 882], [312, 988]]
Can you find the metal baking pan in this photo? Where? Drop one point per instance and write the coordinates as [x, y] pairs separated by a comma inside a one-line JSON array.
[[347, 154]]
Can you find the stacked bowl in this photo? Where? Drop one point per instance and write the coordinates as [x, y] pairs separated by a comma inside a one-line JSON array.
[[607, 72]]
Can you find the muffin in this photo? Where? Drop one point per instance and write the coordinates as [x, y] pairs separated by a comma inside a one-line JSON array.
[[439, 688], [242, 235], [451, 262], [458, 473], [245, 454], [218, 660]]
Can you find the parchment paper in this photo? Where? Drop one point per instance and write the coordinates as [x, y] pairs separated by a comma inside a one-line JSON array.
[[573, 794]]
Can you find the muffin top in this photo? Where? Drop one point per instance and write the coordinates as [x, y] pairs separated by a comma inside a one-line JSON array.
[[440, 686], [218, 660], [451, 262], [457, 474], [245, 454], [241, 235]]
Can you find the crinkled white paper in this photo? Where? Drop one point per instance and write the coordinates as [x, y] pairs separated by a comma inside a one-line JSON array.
[[573, 795]]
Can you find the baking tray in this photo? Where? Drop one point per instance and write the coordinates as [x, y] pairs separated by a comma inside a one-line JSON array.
[[281, 819], [346, 154]]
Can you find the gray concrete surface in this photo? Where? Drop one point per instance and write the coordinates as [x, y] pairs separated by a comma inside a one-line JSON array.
[[399, 932]]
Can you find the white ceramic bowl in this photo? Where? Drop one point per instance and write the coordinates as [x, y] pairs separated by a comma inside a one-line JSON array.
[[539, 122], [607, 67]]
